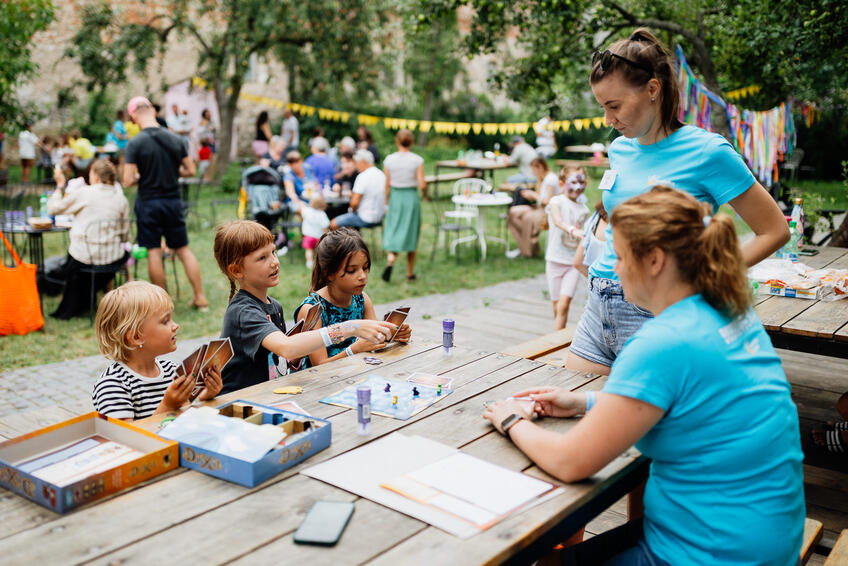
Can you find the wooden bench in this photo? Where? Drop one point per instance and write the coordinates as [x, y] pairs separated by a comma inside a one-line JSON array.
[[839, 555], [549, 348], [812, 535]]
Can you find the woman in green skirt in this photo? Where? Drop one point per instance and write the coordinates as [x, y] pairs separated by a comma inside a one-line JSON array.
[[404, 176]]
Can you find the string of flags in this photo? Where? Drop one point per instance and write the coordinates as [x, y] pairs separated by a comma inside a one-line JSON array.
[[742, 92], [439, 127], [763, 138]]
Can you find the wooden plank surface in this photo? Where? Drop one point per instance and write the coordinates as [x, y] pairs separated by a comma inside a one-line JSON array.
[[825, 318], [542, 345], [839, 555]]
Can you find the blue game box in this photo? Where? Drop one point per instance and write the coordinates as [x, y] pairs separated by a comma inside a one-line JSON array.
[[307, 435]]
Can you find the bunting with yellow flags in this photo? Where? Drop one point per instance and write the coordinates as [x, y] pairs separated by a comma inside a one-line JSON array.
[[439, 127]]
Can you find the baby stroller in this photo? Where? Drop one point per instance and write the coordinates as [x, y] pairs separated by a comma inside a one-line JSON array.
[[262, 185]]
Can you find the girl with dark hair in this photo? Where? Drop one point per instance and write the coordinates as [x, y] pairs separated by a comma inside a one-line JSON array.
[[254, 322], [339, 276], [698, 389], [262, 137], [634, 82]]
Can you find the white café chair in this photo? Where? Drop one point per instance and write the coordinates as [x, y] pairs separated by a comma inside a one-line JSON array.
[[467, 213]]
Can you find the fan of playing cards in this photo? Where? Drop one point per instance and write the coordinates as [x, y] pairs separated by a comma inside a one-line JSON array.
[[215, 353]]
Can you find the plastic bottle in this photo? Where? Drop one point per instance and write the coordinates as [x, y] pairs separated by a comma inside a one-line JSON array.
[[790, 249], [447, 337], [42, 212], [798, 216], [363, 409], [327, 189]]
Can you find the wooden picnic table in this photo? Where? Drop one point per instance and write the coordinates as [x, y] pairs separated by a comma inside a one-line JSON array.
[[188, 517], [582, 149], [804, 325]]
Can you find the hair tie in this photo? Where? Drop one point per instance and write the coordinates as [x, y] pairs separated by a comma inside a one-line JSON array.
[[707, 219]]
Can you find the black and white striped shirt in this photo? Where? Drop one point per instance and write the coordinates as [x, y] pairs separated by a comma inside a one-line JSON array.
[[121, 393]]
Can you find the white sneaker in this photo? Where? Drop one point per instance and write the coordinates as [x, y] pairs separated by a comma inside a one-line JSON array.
[[282, 251], [512, 254]]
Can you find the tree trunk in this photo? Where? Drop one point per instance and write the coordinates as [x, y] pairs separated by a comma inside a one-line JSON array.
[[427, 114], [227, 112]]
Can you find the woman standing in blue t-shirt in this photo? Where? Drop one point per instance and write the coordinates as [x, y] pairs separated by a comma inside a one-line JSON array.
[[635, 83], [698, 389]]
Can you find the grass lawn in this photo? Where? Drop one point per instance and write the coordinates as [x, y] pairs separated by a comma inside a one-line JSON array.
[[75, 338]]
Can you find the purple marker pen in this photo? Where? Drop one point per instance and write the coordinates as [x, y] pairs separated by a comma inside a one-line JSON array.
[[363, 409]]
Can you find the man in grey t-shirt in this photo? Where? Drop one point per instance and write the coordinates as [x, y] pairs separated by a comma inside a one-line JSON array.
[[521, 156], [290, 133]]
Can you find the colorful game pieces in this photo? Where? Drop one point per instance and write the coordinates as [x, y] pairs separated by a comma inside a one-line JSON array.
[[372, 360], [394, 400], [388, 387], [439, 389], [288, 390], [415, 392]]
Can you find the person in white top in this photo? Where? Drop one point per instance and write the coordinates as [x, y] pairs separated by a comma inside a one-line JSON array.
[[101, 224], [566, 215], [525, 220], [404, 176], [368, 201], [290, 132], [27, 141], [315, 224], [545, 139]]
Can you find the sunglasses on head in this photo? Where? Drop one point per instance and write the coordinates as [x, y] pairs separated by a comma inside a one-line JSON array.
[[605, 59]]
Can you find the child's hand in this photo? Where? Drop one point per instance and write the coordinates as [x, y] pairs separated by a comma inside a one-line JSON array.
[[366, 346], [376, 331], [178, 393], [403, 334], [214, 383]]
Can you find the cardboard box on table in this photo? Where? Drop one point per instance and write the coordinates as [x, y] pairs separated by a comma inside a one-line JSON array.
[[159, 456], [786, 291], [280, 458]]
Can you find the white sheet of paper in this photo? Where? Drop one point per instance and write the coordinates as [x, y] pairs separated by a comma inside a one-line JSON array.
[[480, 483], [363, 470]]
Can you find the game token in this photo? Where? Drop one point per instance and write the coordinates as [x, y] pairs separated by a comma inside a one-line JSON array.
[[388, 387], [394, 400], [372, 361], [439, 389], [290, 390], [415, 392]]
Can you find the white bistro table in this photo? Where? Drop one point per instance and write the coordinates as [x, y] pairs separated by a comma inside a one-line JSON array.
[[481, 200]]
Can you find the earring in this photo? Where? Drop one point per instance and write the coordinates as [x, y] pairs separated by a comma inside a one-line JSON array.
[[140, 346], [653, 100]]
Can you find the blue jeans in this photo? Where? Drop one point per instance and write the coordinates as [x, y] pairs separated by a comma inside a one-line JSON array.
[[353, 219], [622, 546], [607, 323], [520, 178]]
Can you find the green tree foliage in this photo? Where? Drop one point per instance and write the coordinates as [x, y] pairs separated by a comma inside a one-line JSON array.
[[19, 21], [327, 44]]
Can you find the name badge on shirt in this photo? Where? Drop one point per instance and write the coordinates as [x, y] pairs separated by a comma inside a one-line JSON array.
[[608, 180]]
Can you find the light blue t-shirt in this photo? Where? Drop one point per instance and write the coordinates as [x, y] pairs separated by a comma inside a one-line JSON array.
[[726, 483], [691, 159]]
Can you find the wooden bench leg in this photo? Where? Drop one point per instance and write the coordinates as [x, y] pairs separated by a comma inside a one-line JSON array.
[[636, 503]]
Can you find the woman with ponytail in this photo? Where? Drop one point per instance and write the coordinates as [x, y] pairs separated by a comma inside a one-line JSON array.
[[698, 389], [634, 81]]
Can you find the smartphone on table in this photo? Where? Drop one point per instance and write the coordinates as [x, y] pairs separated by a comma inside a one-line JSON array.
[[324, 523]]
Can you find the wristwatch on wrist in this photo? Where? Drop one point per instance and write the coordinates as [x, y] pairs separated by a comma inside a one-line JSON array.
[[509, 422]]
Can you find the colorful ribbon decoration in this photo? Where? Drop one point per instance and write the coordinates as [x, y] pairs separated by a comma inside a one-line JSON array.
[[762, 138]]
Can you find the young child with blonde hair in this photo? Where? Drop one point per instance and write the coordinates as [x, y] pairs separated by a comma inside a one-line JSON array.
[[254, 321], [134, 327], [315, 224]]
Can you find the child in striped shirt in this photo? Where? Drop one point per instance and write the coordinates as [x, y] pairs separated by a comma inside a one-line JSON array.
[[135, 326]]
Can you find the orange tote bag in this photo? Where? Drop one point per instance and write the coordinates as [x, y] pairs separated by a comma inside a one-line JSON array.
[[20, 309]]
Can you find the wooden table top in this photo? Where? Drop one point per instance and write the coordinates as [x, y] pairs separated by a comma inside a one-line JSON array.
[[804, 324], [477, 164], [188, 517]]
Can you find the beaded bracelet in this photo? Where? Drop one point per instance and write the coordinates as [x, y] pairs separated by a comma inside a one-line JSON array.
[[336, 333], [590, 400], [349, 351]]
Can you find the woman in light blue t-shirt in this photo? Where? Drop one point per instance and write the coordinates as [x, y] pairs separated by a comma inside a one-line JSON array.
[[698, 389], [634, 81]]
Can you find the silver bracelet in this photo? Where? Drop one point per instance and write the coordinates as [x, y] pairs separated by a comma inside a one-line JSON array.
[[349, 351], [325, 336]]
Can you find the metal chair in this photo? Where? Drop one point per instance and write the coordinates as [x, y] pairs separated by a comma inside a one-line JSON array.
[[102, 241], [457, 227], [467, 187]]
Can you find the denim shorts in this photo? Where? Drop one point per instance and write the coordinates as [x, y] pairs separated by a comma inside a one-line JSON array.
[[608, 321]]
